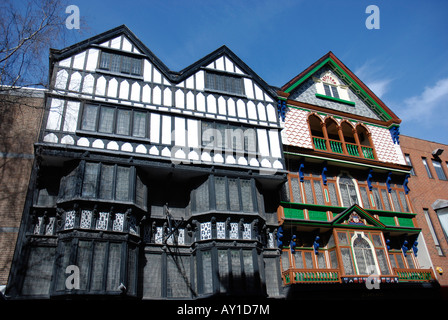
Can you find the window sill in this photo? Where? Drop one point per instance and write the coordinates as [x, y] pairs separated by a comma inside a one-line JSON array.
[[321, 96]]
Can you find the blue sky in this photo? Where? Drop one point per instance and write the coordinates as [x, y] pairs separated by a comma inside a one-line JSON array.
[[404, 62]]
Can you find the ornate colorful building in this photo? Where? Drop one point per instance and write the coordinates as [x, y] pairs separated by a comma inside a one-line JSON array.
[[346, 220]]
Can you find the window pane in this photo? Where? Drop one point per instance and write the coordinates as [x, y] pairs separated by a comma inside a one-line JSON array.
[[386, 201], [404, 202], [378, 203], [236, 268], [139, 126], [308, 260], [106, 182], [334, 259], [125, 64], [136, 66], [207, 271], [365, 198], [123, 122], [308, 192], [234, 195], [439, 170], [223, 267], [105, 60], [295, 186], [327, 90], [382, 261], [426, 167], [83, 262], [98, 267], [89, 117], [319, 192], [333, 195], [115, 63], [395, 200], [299, 260], [220, 192], [89, 184], [122, 185], [202, 197], [106, 120], [140, 193], [347, 261], [246, 193], [334, 90], [113, 268]]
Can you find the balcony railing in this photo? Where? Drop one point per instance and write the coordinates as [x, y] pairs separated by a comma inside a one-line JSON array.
[[337, 147], [414, 275], [292, 276]]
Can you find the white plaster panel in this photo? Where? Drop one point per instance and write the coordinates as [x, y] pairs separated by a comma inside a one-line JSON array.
[[166, 130], [71, 116], [155, 128], [61, 79], [193, 133], [55, 114], [92, 59], [78, 60]]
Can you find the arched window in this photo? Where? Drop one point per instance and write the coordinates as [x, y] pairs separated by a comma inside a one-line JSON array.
[[334, 139], [347, 189], [348, 133], [317, 133], [365, 142], [342, 139], [364, 254], [316, 126]]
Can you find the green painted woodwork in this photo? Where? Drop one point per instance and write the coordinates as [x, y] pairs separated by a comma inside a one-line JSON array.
[[367, 152], [352, 149], [317, 215], [405, 222], [336, 146], [388, 221], [291, 213], [319, 143], [322, 96]]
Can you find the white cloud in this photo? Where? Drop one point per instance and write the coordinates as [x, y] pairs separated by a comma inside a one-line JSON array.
[[369, 74], [429, 106]]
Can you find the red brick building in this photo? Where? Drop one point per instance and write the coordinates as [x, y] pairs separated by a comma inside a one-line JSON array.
[[429, 195], [20, 118]]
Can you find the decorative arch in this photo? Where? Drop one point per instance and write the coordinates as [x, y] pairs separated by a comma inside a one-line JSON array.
[[364, 254], [343, 138]]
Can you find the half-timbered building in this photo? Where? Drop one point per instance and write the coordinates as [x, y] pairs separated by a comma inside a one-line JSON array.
[[150, 183]]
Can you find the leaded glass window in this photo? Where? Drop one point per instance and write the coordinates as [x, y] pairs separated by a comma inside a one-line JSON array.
[[106, 123], [234, 196], [247, 195], [319, 192], [224, 82], [364, 255], [308, 191], [139, 125], [120, 63], [220, 192], [207, 271], [123, 122], [89, 117], [296, 192], [90, 180], [348, 191]]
